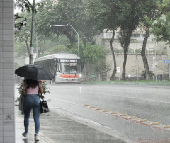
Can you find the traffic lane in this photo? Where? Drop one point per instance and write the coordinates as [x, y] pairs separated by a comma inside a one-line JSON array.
[[134, 130], [146, 94], [143, 102], [150, 107], [141, 92], [154, 111]]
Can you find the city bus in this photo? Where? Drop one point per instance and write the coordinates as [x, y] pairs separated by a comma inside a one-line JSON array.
[[65, 67]]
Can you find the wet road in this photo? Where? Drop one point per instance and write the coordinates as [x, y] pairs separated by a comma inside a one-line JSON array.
[[138, 113]]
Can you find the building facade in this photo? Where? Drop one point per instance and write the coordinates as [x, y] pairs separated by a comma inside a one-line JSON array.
[[156, 53], [7, 114]]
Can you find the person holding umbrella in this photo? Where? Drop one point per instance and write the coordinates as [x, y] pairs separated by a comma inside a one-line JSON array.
[[32, 101], [31, 86]]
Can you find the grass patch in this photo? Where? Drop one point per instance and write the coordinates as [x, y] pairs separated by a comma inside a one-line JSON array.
[[140, 82]]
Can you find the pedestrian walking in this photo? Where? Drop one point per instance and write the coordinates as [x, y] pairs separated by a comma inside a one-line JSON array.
[[31, 86], [32, 101]]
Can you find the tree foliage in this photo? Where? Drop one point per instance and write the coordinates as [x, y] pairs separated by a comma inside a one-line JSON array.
[[150, 11], [65, 12], [161, 28], [90, 18], [22, 32], [124, 14], [46, 45], [73, 12], [24, 5], [93, 53], [104, 15]]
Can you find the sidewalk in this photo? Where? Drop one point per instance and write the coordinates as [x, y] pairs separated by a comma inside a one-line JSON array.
[[58, 128]]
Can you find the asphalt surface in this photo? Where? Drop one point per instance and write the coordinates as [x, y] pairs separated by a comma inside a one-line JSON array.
[[59, 128], [143, 102]]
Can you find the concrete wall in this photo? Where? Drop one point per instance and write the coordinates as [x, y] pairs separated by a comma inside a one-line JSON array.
[[134, 65], [7, 115]]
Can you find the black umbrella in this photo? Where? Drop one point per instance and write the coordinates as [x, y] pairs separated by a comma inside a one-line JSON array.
[[34, 72]]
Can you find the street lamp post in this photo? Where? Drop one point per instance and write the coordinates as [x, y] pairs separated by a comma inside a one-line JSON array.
[[155, 64], [74, 31]]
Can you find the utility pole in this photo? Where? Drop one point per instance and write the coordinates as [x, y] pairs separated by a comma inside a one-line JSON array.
[[155, 61], [36, 46], [32, 33], [78, 39]]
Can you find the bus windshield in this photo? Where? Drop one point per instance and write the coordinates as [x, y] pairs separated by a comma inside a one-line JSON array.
[[69, 68]]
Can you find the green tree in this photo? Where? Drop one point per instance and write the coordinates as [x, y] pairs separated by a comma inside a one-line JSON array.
[[45, 44], [94, 56], [124, 14], [151, 11], [62, 13], [22, 33], [23, 5], [93, 53], [27, 6], [20, 49], [58, 49], [161, 28], [104, 15], [129, 20], [73, 12], [101, 66]]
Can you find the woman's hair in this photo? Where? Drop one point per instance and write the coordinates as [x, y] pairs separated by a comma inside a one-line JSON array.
[[31, 83]]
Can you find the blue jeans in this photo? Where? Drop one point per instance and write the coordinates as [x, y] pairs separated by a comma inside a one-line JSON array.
[[32, 101]]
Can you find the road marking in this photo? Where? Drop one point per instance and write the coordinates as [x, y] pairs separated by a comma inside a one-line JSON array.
[[105, 110], [132, 117], [117, 115], [155, 123], [99, 109], [123, 114], [142, 120], [167, 126], [92, 107], [114, 113]]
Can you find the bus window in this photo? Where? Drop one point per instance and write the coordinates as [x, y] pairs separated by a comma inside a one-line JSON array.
[[69, 68]]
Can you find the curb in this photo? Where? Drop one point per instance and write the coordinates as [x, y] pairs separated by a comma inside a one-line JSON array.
[[131, 83]]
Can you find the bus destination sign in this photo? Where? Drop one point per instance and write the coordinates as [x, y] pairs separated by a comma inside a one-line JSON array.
[[68, 61]]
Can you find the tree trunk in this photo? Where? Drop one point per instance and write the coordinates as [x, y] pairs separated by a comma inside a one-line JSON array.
[[124, 62], [145, 62], [114, 59], [125, 41]]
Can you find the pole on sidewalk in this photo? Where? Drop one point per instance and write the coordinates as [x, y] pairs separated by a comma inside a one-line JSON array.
[[32, 33]]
